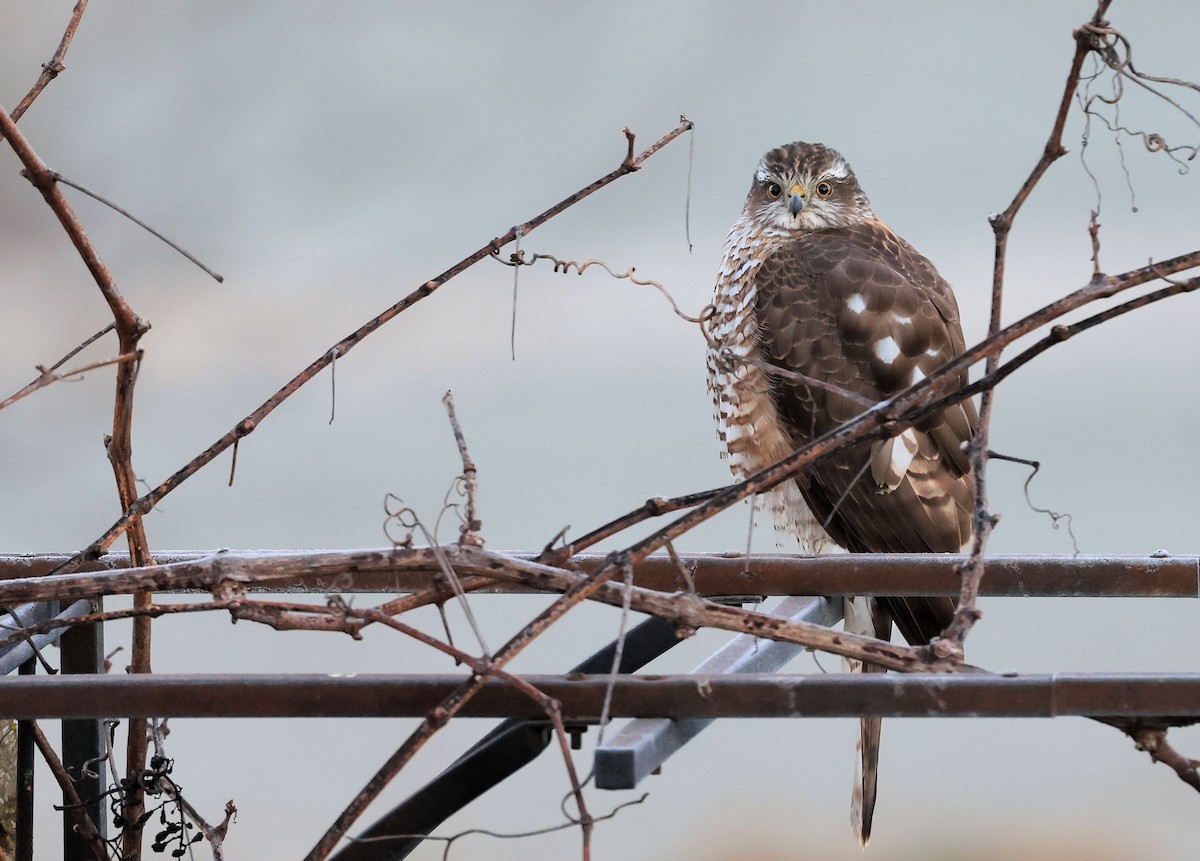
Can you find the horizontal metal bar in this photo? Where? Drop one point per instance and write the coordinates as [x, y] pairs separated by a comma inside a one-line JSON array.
[[644, 744], [754, 695], [12, 656], [1158, 575]]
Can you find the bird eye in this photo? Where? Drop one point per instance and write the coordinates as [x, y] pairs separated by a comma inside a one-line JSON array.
[[824, 188], [774, 190]]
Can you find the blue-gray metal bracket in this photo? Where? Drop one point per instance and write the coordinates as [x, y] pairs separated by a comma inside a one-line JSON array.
[[14, 655], [644, 744]]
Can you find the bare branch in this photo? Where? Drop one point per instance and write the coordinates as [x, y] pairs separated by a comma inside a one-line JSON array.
[[1150, 735], [471, 523], [47, 377], [54, 67]]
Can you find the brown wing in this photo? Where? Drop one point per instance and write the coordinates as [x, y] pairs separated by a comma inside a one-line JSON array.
[[860, 308]]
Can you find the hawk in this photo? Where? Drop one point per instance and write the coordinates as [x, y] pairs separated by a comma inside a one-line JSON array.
[[820, 311]]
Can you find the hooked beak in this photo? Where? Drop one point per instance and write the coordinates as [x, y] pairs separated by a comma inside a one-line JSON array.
[[795, 202]]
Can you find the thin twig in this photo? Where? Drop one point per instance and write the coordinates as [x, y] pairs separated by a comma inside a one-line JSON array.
[[1055, 516], [687, 201], [55, 66], [724, 356], [512, 330], [58, 176], [47, 376], [518, 259], [214, 834], [471, 524], [653, 507], [619, 651], [332, 393]]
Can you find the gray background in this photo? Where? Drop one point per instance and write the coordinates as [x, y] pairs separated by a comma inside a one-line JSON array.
[[329, 158]]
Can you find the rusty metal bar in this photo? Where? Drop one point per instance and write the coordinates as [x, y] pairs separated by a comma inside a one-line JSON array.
[[1158, 575], [753, 695], [644, 744]]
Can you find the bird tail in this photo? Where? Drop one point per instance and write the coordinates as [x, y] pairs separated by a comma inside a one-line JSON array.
[[865, 616]]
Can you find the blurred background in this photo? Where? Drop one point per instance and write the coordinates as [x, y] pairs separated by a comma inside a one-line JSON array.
[[328, 158]]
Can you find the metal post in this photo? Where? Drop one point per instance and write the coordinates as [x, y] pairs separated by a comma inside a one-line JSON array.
[[83, 740], [23, 843]]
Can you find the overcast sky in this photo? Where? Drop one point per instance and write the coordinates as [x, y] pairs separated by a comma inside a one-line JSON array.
[[328, 158]]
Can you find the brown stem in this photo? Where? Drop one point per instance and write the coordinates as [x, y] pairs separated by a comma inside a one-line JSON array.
[[52, 69], [1150, 735]]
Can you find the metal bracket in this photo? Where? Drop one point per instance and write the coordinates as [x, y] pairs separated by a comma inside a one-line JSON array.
[[644, 744]]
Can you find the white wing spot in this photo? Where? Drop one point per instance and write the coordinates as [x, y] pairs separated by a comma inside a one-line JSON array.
[[917, 376], [903, 452], [887, 349], [857, 303], [932, 352], [902, 319]]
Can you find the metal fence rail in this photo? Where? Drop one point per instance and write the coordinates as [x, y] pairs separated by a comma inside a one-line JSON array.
[[381, 570], [674, 696]]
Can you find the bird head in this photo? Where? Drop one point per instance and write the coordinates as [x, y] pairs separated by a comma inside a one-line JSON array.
[[805, 187]]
